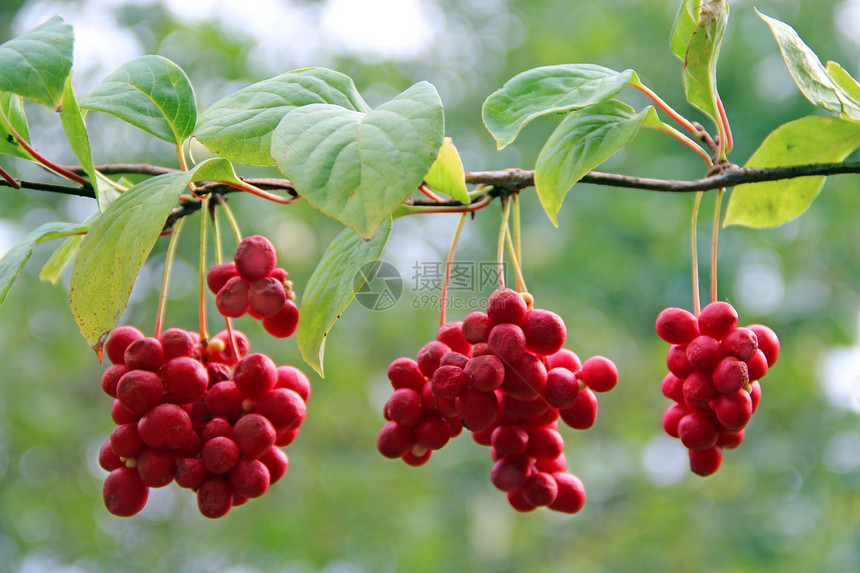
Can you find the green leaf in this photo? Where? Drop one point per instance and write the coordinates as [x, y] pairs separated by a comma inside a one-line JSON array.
[[686, 22], [700, 60], [358, 167], [36, 63], [332, 287], [446, 175], [850, 89], [808, 73], [813, 139], [12, 118], [13, 262], [151, 93], [76, 132], [581, 142], [60, 260], [119, 242], [545, 90], [239, 127]]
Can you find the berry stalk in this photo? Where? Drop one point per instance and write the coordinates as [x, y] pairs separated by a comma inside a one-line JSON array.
[[202, 274], [715, 237], [448, 265], [697, 305], [165, 279], [500, 250]]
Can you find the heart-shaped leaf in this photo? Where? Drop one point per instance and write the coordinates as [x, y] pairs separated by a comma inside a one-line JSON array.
[[813, 139], [548, 89], [12, 118], [582, 141], [239, 127], [119, 242], [36, 63], [151, 93], [332, 287], [13, 262], [446, 175], [358, 167]]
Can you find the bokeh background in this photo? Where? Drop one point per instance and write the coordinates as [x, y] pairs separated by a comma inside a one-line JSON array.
[[787, 500]]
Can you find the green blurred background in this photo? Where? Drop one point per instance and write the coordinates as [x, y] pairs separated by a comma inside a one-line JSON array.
[[787, 500]]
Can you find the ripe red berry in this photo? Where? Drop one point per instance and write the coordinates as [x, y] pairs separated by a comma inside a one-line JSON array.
[[226, 355], [476, 327], [583, 413], [526, 379], [404, 373], [220, 454], [108, 460], [509, 473], [599, 374], [551, 466], [757, 365], [283, 323], [733, 410], [676, 361], [740, 343], [508, 342], [123, 492], [571, 493], [176, 342], [540, 489], [255, 258], [755, 394], [545, 332], [394, 440], [768, 342], [284, 408], [249, 478], [730, 440], [672, 417], [122, 415], [139, 390], [111, 377], [451, 334], [276, 462], [506, 306], [509, 441], [454, 359], [155, 467], [545, 443], [292, 378], [125, 441], [214, 498], [404, 407], [699, 389], [676, 326], [225, 399], [166, 426], [184, 380], [565, 358], [730, 374], [430, 356], [673, 388], [145, 354], [214, 428], [190, 473], [703, 352], [266, 296], [485, 373], [415, 460], [254, 434], [477, 409], [697, 431], [449, 382], [255, 375], [432, 432], [717, 319], [218, 275], [119, 340], [233, 298], [517, 500], [521, 409], [706, 462]]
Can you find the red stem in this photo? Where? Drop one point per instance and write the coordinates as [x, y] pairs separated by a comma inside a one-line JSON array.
[[9, 179], [429, 194], [727, 130], [58, 169]]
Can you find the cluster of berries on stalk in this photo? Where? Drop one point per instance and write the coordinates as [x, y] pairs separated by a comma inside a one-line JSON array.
[[714, 371], [504, 376], [205, 414]]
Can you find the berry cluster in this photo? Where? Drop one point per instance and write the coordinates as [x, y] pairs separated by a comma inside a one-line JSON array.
[[253, 283], [714, 372], [211, 418], [504, 376]]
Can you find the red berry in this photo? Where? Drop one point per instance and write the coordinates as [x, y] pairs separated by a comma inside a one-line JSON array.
[[509, 441], [444, 407], [449, 382], [454, 359], [583, 413], [283, 323], [430, 356], [118, 342], [404, 407], [477, 410], [717, 319], [224, 399], [755, 394], [571, 493], [768, 342], [551, 465], [432, 432], [565, 358], [220, 454], [599, 374], [228, 356], [673, 388], [703, 352], [176, 342], [111, 377], [545, 332], [233, 298], [276, 462], [706, 462], [292, 378], [509, 474], [166, 426], [249, 478], [123, 492], [699, 389], [757, 365], [730, 440], [214, 498], [485, 373], [730, 374], [476, 327], [394, 440], [540, 489], [218, 275], [255, 258], [517, 500], [254, 434], [545, 443], [676, 326], [190, 473], [451, 334], [676, 361], [404, 373], [672, 417], [284, 408], [145, 354], [416, 460], [122, 415], [522, 409], [214, 428], [139, 390], [108, 460], [156, 467], [267, 296], [255, 375], [508, 342], [740, 343], [184, 380], [734, 410], [506, 306], [697, 431]]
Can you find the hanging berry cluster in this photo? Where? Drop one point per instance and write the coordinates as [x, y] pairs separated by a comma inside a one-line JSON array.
[[504, 376], [714, 372], [208, 415]]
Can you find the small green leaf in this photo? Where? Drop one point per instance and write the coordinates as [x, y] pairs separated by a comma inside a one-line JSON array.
[[151, 93], [813, 139], [700, 61], [119, 242], [60, 260], [548, 89], [581, 142], [850, 89], [76, 132], [808, 73], [332, 287], [12, 118], [36, 63], [446, 175], [13, 261], [239, 127], [686, 22], [358, 167]]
